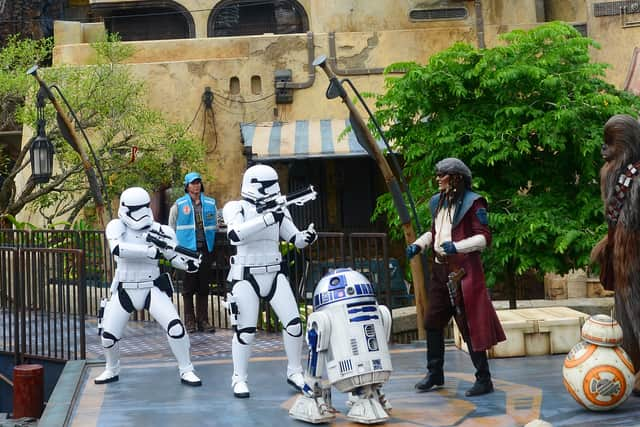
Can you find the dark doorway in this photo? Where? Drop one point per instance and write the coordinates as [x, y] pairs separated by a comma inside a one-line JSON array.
[[357, 193], [347, 192], [303, 173]]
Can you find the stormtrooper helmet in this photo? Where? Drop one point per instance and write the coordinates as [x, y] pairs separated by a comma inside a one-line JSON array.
[[260, 184], [134, 208]]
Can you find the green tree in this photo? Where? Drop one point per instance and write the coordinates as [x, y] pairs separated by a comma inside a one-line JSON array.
[[16, 57], [135, 145], [527, 118]]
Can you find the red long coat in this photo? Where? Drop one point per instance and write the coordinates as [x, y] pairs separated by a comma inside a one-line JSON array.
[[483, 324]]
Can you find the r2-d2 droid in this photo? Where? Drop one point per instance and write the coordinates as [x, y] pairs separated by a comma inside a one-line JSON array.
[[347, 334]]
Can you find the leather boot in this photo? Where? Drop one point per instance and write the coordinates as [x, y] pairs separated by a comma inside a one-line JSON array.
[[435, 362], [483, 384], [189, 315], [202, 315]]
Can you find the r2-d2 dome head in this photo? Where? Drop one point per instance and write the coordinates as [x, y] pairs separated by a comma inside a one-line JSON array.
[[134, 208], [260, 184], [340, 285]]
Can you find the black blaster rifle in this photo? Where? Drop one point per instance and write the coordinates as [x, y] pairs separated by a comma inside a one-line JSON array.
[[298, 198], [452, 287], [163, 241]]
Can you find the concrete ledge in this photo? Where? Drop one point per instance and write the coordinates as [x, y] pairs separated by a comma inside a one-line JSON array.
[[58, 408], [590, 306]]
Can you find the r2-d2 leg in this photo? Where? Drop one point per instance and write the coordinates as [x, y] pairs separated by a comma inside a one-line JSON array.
[[368, 405], [314, 405]]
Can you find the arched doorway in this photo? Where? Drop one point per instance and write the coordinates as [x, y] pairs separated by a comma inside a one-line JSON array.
[[147, 20], [251, 17]]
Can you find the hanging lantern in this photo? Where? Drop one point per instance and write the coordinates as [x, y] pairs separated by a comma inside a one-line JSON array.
[[41, 150], [41, 159]]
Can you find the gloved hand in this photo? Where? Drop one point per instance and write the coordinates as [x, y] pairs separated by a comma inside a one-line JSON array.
[[449, 248], [192, 266], [412, 250], [310, 234]]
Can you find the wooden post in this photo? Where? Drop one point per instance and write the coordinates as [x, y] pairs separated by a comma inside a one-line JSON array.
[[360, 127]]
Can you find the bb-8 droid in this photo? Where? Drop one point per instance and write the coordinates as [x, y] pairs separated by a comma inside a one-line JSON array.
[[597, 372]]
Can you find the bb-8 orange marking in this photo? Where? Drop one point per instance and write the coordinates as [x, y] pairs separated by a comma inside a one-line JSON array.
[[587, 350], [624, 358], [596, 385]]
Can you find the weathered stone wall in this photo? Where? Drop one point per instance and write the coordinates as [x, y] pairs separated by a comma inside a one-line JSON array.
[[368, 34]]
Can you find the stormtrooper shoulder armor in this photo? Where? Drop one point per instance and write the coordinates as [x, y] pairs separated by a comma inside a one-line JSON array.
[[115, 229]]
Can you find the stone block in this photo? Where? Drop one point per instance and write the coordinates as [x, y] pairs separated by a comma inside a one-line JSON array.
[[534, 332]]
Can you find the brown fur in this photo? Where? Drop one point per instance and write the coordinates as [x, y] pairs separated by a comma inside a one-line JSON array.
[[619, 252]]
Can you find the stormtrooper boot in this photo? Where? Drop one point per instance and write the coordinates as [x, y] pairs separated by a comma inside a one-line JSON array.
[[293, 348], [180, 348], [190, 378], [241, 354], [112, 366], [296, 380], [240, 387]]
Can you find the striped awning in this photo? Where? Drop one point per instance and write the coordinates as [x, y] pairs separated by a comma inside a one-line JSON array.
[[302, 139]]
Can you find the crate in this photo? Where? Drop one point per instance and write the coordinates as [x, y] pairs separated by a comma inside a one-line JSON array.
[[534, 332]]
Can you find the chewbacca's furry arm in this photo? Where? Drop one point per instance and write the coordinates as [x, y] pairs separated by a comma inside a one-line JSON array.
[[599, 251]]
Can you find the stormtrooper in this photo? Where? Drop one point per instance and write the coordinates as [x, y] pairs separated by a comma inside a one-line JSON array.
[[347, 334], [255, 271], [138, 284]]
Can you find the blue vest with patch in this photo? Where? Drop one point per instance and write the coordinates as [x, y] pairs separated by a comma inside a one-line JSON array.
[[186, 221]]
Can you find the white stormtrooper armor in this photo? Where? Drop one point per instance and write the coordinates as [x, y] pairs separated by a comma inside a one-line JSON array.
[[255, 273], [347, 334], [137, 284]]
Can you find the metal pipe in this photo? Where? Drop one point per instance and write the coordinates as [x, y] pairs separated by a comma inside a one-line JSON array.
[[333, 62], [479, 24], [312, 70]]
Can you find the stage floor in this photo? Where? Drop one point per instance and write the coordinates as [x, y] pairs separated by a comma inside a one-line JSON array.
[[149, 392]]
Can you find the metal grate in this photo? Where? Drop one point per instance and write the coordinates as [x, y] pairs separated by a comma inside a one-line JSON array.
[[345, 366], [582, 29], [612, 8], [438, 14]]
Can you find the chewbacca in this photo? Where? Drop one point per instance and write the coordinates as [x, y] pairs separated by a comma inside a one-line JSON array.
[[619, 252]]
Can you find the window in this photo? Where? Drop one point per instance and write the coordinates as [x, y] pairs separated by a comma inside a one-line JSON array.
[[255, 17], [147, 20]]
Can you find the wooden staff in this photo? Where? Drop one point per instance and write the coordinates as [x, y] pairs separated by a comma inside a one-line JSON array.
[[67, 129], [369, 144]]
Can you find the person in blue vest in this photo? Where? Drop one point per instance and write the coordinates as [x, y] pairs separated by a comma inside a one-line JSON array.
[[193, 217]]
